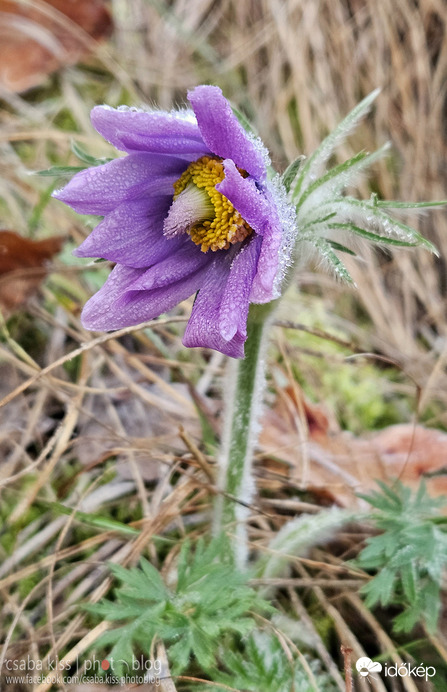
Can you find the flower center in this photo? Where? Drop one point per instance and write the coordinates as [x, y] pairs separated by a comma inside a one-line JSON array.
[[201, 211]]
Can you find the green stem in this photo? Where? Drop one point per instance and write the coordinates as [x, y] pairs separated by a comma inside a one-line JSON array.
[[242, 408]]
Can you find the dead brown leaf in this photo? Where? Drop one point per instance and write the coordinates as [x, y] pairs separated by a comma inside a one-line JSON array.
[[35, 42], [338, 464], [22, 267]]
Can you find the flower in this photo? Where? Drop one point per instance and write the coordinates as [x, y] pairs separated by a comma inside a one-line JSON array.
[[190, 208]]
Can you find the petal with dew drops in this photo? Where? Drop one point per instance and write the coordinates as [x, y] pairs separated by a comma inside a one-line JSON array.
[[243, 194], [116, 305], [100, 189], [223, 133], [132, 234], [219, 314], [263, 288], [156, 132], [183, 262], [235, 303], [260, 212]]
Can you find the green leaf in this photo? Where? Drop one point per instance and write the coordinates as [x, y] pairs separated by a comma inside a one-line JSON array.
[[130, 577], [86, 157], [331, 258], [93, 519], [336, 137], [404, 622], [409, 578], [291, 172], [179, 654], [340, 248], [202, 647], [60, 171], [373, 237], [108, 610], [410, 555], [210, 601], [122, 653], [352, 164], [432, 605], [393, 225], [156, 584], [382, 501], [260, 663], [321, 220], [402, 558], [375, 551], [380, 589], [393, 204]]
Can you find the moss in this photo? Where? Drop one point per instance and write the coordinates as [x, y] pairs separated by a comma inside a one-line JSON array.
[[361, 392], [360, 397]]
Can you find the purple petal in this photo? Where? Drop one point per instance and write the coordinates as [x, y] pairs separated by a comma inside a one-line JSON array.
[[156, 132], [219, 316], [259, 210], [243, 194], [97, 310], [203, 325], [116, 305], [187, 260], [223, 133], [100, 189], [132, 234], [235, 301], [263, 289]]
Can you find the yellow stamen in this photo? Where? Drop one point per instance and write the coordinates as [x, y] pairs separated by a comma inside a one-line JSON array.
[[225, 226]]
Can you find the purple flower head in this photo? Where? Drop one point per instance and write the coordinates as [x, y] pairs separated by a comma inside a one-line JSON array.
[[188, 209]]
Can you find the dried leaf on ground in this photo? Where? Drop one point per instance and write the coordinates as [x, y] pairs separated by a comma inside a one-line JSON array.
[[336, 464], [35, 41], [22, 267]]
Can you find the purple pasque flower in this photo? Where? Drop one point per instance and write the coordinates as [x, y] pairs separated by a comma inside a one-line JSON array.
[[188, 209]]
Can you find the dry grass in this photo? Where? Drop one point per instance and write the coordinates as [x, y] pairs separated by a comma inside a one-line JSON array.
[[100, 433]]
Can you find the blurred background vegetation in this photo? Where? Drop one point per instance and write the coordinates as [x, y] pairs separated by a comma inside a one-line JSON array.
[[99, 432]]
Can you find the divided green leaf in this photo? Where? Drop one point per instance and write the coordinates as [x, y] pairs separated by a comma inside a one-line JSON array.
[[208, 602], [327, 218], [262, 664], [409, 556]]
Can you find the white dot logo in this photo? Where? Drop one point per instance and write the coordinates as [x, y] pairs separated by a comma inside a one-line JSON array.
[[365, 666]]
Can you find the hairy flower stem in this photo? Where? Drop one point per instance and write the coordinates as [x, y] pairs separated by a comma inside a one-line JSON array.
[[243, 404]]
